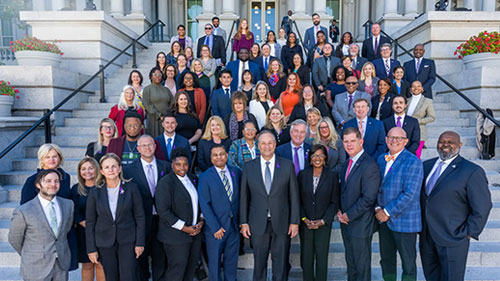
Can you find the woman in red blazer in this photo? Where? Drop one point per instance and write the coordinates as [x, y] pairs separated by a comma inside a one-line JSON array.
[[128, 101]]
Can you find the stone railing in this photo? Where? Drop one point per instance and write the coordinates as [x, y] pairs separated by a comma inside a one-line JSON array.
[[6, 56]]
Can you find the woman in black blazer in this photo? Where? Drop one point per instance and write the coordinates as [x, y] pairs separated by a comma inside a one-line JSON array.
[[319, 194], [301, 69], [382, 102], [115, 222], [180, 226], [399, 86], [275, 79], [215, 133]]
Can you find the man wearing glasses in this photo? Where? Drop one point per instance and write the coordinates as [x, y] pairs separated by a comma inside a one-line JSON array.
[[215, 43], [385, 64], [407, 123], [343, 107]]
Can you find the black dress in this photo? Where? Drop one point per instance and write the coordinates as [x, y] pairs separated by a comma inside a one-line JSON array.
[[304, 74], [251, 117], [287, 53], [281, 138], [187, 125], [203, 153], [80, 203], [92, 153], [278, 88]]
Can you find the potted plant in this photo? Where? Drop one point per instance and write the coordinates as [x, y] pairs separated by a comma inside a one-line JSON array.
[[7, 94], [480, 50], [31, 51]]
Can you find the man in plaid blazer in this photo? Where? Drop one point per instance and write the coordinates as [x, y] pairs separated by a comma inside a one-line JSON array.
[[398, 206]]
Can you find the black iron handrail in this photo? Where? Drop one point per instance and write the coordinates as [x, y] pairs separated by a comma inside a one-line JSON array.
[[300, 38], [46, 117], [446, 82], [230, 38]]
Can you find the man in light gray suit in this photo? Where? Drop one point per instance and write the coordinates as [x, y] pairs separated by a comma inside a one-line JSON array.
[[322, 69], [38, 231], [343, 105], [218, 30]]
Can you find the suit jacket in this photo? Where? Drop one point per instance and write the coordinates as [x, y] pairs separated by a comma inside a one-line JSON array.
[[179, 141], [260, 62], [358, 194], [309, 41], [135, 172], [218, 48], [459, 203], [385, 108], [360, 62], [129, 225], [412, 129], [320, 75], [174, 203], [374, 137], [221, 103], [116, 146], [33, 239], [367, 49], [282, 203], [426, 74], [404, 91], [234, 66], [215, 205], [221, 32], [424, 112], [340, 110], [399, 193], [285, 151], [324, 203], [380, 67]]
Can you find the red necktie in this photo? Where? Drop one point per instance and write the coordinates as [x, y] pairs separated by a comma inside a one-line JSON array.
[[348, 169]]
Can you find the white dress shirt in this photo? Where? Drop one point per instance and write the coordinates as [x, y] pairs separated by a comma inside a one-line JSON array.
[[365, 121], [46, 209], [263, 167], [300, 151], [355, 158], [172, 137], [373, 41], [243, 67], [445, 165], [413, 104], [228, 176], [388, 165], [252, 150], [113, 194], [224, 91], [402, 119], [188, 185], [273, 49]]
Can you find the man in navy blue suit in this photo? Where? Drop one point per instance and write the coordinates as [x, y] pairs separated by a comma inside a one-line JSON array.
[[310, 38], [385, 64], [371, 129], [421, 69], [296, 150], [221, 98], [264, 60], [241, 64], [218, 191], [371, 46], [169, 140], [408, 123], [456, 202]]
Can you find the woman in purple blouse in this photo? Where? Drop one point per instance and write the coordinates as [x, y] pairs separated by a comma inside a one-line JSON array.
[[243, 38]]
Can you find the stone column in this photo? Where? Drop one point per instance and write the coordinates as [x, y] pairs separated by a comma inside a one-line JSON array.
[[299, 6], [391, 7], [228, 7], [137, 7], [489, 5], [39, 5], [208, 6], [57, 5], [411, 8], [319, 6], [363, 16], [162, 12], [117, 8], [469, 4]]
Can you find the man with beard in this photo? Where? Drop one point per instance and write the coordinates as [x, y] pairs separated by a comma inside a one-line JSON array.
[[238, 66], [218, 30], [310, 38], [455, 202], [408, 123]]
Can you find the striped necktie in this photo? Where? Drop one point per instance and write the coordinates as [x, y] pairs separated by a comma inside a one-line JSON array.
[[53, 218], [227, 186]]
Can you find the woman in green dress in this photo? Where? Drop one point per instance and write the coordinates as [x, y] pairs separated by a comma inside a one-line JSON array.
[[157, 100]]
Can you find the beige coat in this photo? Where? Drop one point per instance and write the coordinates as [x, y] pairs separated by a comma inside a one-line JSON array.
[[424, 112]]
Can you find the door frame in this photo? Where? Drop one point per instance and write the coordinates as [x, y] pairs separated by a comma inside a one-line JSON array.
[[263, 15]]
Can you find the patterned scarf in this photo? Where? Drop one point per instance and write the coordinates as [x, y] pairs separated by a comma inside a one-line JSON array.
[[274, 79], [233, 125]]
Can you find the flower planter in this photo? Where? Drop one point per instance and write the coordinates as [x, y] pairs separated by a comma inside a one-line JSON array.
[[482, 60], [37, 58], [6, 103]]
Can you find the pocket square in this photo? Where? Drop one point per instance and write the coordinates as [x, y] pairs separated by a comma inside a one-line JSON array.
[[426, 65]]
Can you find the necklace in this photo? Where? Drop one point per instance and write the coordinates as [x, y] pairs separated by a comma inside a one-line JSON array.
[[131, 150]]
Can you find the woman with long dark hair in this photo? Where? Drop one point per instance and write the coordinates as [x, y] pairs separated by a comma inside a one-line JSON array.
[[291, 48]]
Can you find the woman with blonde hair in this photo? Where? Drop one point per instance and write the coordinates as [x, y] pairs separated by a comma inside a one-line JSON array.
[[234, 121], [328, 136], [244, 38], [313, 117], [368, 82], [115, 235], [88, 168], [275, 79], [276, 124], [107, 131], [203, 80], [215, 133], [209, 64], [128, 101], [261, 103]]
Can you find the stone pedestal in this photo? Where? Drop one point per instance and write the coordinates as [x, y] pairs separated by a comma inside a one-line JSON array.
[[136, 22], [88, 38]]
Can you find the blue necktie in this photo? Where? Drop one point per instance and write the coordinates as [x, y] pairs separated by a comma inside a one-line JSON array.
[[228, 94], [265, 64], [169, 147], [435, 176], [207, 40]]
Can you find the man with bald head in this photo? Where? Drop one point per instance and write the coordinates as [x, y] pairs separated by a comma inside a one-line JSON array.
[[421, 69], [455, 203], [398, 206]]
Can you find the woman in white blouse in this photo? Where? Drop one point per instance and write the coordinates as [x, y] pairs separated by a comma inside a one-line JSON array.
[[261, 103]]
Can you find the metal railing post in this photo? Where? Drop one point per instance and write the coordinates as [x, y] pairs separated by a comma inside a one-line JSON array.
[[102, 86], [134, 62], [161, 33], [395, 54], [300, 38], [48, 133]]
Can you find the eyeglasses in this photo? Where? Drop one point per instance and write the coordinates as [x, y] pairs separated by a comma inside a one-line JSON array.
[[248, 130], [208, 28], [106, 128], [351, 83], [397, 139]]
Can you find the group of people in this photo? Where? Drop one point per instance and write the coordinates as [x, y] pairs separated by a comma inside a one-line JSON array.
[[264, 148]]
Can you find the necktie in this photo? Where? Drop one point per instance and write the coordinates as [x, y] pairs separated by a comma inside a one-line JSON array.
[[418, 65], [360, 127], [389, 157], [151, 179], [387, 67], [316, 34], [350, 102], [348, 169], [53, 219], [328, 66], [376, 46], [434, 178], [169, 147], [227, 186], [207, 40], [227, 93], [296, 162], [265, 64], [398, 123], [267, 178]]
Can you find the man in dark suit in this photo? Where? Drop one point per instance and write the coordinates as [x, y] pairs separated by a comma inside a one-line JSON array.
[[219, 193], [169, 140], [322, 70], [269, 208], [408, 123], [264, 60], [421, 69], [456, 202], [357, 61], [385, 64], [398, 207], [372, 130], [359, 184], [221, 98], [241, 64], [146, 172], [296, 150], [371, 46], [215, 43], [310, 38]]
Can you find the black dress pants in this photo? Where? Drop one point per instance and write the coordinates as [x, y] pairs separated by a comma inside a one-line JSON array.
[[183, 259], [358, 256], [391, 243], [314, 247], [118, 262], [153, 249]]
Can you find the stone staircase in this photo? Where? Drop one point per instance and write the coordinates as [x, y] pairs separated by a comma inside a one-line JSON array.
[[81, 128]]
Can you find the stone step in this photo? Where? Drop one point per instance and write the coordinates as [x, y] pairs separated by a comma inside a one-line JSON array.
[[110, 99], [447, 114], [468, 152], [71, 131], [31, 164], [19, 177], [90, 113], [432, 141], [98, 106], [68, 151], [449, 122], [463, 131], [441, 106], [73, 141], [12, 274], [83, 122]]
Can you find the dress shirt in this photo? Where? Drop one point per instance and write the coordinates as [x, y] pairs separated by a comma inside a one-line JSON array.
[[243, 67], [263, 167], [365, 121], [417, 61], [345, 50], [445, 165], [46, 209], [224, 91], [210, 42], [172, 137], [300, 151], [113, 194], [388, 165], [228, 175], [273, 49], [355, 158], [413, 104], [155, 169], [373, 41], [188, 185], [252, 150], [316, 29], [264, 62], [402, 119]]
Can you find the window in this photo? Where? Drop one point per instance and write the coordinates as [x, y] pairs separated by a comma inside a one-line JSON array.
[[333, 8], [194, 9], [6, 32]]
